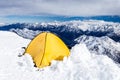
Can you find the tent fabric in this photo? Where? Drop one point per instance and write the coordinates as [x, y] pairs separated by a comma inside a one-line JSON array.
[[47, 47]]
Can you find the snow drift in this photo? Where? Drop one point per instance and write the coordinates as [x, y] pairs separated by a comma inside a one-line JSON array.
[[80, 65]]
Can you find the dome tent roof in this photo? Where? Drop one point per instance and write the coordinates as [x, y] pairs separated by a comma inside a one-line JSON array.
[[46, 47]]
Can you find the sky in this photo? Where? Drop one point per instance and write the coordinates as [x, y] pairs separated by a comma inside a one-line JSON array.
[[59, 7]]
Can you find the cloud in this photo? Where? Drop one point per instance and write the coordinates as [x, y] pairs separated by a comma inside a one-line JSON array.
[[60, 7]]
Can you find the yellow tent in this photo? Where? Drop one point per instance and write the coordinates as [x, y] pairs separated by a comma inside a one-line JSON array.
[[46, 47]]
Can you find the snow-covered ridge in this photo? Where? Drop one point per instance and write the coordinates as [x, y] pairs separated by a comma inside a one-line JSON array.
[[80, 65], [103, 45], [2, 24], [88, 27]]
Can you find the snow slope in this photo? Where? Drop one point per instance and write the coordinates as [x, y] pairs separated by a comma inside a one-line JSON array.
[[80, 65], [101, 45]]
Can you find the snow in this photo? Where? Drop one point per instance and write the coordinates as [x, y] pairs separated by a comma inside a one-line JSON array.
[[80, 65], [2, 24], [101, 45], [26, 32]]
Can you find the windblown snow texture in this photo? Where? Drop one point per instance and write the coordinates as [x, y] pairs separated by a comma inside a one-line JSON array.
[[99, 36], [80, 65]]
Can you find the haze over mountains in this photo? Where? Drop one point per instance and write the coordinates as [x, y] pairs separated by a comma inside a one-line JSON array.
[[51, 18]]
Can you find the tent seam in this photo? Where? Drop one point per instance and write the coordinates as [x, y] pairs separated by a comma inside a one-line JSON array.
[[44, 49]]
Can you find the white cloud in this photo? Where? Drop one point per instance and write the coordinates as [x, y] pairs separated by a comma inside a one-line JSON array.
[[60, 7]]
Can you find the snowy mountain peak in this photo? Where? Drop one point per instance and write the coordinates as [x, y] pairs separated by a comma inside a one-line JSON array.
[[2, 24], [102, 45]]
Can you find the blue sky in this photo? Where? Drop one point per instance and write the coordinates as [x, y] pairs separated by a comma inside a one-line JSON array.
[[23, 10]]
